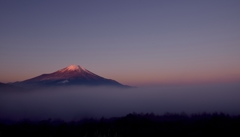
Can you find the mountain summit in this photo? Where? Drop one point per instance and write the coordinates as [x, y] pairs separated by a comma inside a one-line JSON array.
[[73, 68], [71, 75]]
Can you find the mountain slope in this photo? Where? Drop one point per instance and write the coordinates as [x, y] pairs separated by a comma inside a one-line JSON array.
[[71, 75]]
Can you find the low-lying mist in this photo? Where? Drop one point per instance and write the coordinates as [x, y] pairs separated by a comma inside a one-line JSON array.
[[75, 103]]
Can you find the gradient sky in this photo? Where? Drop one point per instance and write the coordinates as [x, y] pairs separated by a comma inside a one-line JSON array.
[[134, 42]]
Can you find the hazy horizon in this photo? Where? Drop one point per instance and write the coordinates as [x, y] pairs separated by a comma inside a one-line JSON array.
[[164, 83]]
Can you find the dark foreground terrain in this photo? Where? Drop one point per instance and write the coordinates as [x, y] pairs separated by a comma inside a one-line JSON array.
[[132, 125]]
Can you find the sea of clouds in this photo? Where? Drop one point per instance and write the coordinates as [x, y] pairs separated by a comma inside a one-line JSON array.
[[75, 103]]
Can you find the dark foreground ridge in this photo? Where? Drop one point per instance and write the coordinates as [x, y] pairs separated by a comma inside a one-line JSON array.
[[132, 125]]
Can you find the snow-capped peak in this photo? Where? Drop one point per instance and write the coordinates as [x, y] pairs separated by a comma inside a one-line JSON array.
[[73, 68]]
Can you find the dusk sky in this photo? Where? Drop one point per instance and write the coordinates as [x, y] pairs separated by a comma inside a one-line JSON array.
[[135, 42]]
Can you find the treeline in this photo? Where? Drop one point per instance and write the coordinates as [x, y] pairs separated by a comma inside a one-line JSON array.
[[131, 125]]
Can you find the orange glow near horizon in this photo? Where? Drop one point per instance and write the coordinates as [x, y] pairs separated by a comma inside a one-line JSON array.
[[180, 78]]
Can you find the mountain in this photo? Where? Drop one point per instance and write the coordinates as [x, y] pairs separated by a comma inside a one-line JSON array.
[[7, 87], [71, 75]]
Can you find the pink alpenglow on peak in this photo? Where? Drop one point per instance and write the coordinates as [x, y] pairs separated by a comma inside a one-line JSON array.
[[73, 68]]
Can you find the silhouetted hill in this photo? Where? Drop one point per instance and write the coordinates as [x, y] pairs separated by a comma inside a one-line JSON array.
[[139, 125]]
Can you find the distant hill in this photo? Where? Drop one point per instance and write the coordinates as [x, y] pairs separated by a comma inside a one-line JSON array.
[[8, 87]]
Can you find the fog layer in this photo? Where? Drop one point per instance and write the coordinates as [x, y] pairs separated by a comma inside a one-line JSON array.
[[75, 103]]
